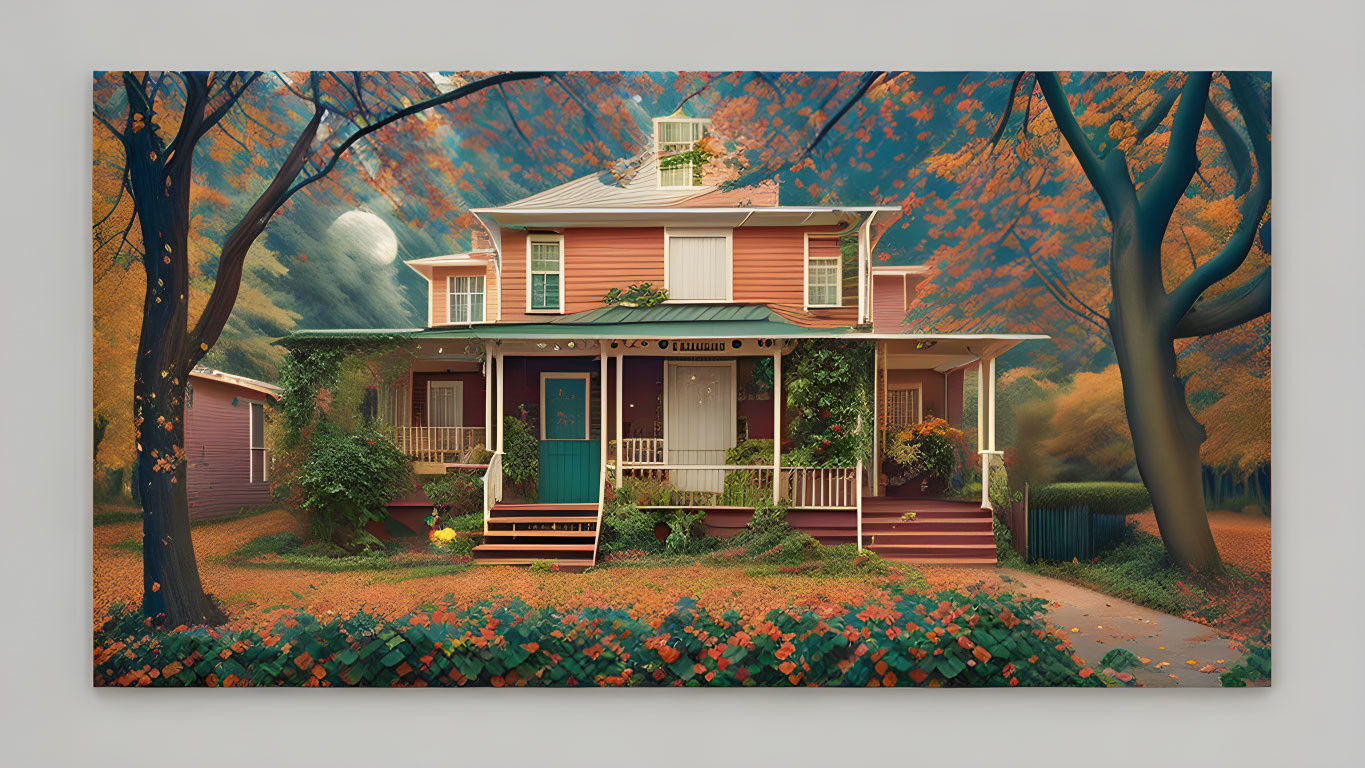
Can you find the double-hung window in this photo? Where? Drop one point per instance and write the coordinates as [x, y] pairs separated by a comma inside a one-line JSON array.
[[258, 470], [676, 142], [545, 278], [466, 296], [824, 272]]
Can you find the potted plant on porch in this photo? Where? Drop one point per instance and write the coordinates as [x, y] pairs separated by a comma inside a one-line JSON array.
[[919, 458]]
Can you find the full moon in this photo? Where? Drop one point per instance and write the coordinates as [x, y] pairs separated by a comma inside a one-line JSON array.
[[362, 233]]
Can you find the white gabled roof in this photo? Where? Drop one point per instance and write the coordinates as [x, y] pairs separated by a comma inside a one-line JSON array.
[[633, 182], [424, 266], [205, 372]]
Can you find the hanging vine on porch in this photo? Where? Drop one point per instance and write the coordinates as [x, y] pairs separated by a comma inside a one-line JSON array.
[[828, 383]]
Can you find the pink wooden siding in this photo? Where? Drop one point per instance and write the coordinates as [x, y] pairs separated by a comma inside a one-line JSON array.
[[769, 268], [217, 433], [440, 307], [888, 303]]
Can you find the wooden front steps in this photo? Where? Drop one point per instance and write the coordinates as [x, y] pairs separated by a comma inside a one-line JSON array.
[[941, 533], [520, 534]]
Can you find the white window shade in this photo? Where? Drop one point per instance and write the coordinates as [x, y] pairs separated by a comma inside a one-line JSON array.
[[698, 268], [902, 407], [466, 299], [822, 282]]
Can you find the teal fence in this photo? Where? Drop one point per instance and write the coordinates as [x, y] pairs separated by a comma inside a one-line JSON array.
[[1064, 534]]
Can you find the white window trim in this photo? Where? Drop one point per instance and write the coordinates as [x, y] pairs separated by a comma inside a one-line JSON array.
[[252, 449], [459, 398], [805, 276], [919, 401], [450, 291], [587, 403], [729, 235], [658, 157], [562, 281]]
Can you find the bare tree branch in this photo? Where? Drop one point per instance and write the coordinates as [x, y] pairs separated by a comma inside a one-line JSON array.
[[864, 85], [435, 101], [1109, 177], [1162, 192], [1157, 115], [1239, 155], [1239, 305], [1008, 111], [1252, 209]]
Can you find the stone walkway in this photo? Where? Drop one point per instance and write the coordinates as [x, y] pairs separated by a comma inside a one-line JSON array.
[[1175, 652]]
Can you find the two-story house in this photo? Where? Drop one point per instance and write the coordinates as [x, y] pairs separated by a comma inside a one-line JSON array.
[[518, 326]]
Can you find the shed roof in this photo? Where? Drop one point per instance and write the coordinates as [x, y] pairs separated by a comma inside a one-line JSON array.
[[205, 372]]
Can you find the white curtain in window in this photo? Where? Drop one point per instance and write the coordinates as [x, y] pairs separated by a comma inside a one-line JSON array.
[[823, 279], [466, 299], [697, 268]]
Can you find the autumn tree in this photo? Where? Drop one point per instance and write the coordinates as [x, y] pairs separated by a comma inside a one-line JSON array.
[[1146, 318], [159, 120]]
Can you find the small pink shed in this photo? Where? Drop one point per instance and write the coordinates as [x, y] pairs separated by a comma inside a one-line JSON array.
[[228, 462]]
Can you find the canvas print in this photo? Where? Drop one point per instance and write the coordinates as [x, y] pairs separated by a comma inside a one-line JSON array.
[[681, 378]]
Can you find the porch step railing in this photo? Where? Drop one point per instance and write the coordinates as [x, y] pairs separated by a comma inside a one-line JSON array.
[[668, 486], [492, 486], [443, 445]]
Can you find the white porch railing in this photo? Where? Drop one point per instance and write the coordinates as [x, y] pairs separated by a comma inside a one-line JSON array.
[[641, 450], [820, 487], [443, 445], [724, 485], [492, 487]]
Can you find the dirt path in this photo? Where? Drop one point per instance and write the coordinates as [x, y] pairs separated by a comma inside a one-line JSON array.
[[1177, 653]]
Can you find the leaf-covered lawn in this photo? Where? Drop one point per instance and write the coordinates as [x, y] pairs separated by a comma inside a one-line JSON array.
[[254, 596]]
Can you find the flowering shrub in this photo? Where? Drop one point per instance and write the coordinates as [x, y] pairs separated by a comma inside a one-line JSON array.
[[948, 640], [923, 450], [450, 541]]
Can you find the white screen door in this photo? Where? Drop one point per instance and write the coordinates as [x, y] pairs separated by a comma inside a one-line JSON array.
[[445, 403], [700, 422], [698, 268]]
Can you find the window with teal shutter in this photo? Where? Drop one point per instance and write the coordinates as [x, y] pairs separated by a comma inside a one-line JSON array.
[[546, 272]]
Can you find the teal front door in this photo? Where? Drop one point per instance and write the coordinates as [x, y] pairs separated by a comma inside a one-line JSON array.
[[570, 461]]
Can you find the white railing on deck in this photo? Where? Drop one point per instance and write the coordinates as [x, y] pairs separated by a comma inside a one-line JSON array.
[[820, 487], [492, 486], [681, 485], [443, 445], [642, 450], [860, 505]]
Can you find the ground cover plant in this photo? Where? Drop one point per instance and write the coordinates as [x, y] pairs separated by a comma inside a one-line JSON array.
[[945, 640]]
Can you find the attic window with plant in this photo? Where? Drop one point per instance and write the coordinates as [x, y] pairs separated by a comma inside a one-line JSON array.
[[678, 142]]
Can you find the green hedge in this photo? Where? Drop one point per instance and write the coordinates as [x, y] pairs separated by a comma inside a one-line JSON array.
[[950, 639], [1101, 498]]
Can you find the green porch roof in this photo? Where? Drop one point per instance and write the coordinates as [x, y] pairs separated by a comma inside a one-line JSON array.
[[686, 321]]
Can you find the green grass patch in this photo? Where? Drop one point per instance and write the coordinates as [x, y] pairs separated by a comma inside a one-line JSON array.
[[1136, 569], [114, 516], [131, 544]]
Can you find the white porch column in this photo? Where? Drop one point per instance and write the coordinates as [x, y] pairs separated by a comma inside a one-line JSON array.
[[502, 367], [602, 415], [990, 407], [777, 423], [876, 415], [620, 446], [487, 397], [981, 447]]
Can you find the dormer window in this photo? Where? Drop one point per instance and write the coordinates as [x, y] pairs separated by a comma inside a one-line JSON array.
[[466, 296], [677, 141]]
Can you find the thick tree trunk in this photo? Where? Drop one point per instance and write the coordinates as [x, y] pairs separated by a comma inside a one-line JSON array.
[[1166, 436], [171, 590]]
